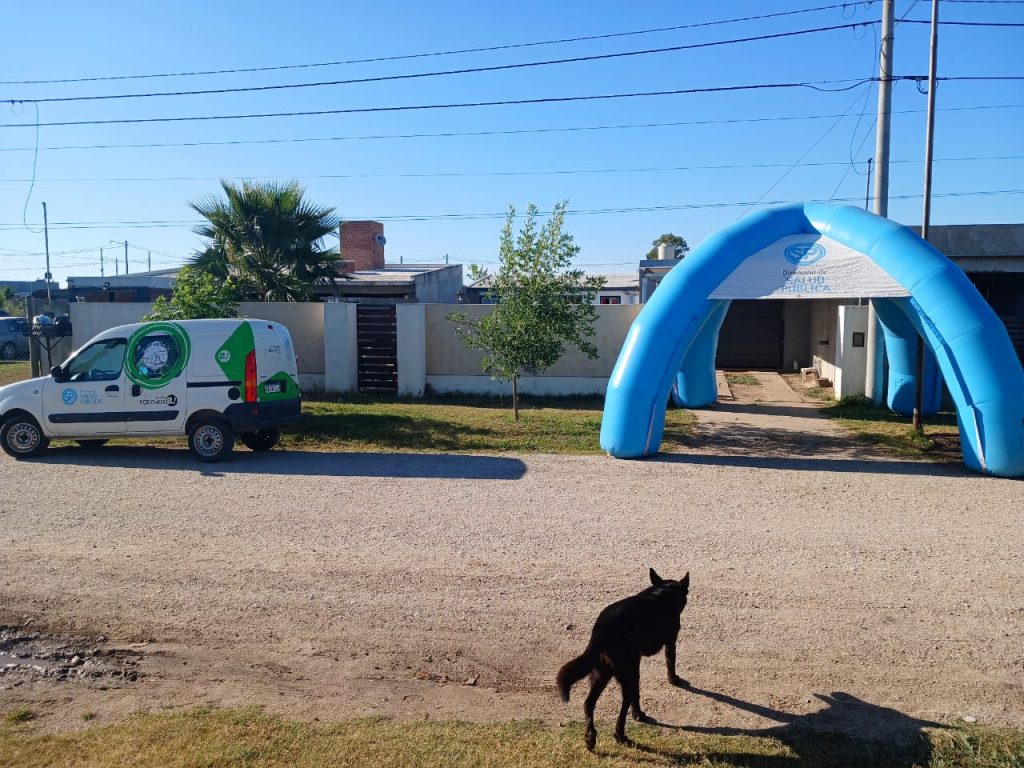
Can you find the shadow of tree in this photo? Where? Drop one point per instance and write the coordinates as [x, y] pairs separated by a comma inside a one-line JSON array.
[[847, 732]]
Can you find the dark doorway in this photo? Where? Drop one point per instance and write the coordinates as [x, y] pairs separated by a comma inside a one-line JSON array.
[[752, 335]]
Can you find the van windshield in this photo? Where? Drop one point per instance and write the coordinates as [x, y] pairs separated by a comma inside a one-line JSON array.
[[101, 361]]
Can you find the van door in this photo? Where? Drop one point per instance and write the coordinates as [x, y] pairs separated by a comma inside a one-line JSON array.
[[155, 365], [90, 400]]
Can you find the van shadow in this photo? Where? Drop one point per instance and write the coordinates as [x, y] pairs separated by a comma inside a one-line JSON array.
[[442, 466], [846, 732]]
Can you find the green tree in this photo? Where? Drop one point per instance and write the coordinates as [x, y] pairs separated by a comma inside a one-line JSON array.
[[542, 302], [10, 303], [268, 239], [679, 243], [196, 295]]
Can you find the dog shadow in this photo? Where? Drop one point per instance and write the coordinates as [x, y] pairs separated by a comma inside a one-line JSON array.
[[847, 732]]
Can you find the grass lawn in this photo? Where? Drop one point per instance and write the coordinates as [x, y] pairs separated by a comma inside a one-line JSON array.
[[555, 425], [461, 425], [892, 432], [742, 378], [13, 370], [250, 737]]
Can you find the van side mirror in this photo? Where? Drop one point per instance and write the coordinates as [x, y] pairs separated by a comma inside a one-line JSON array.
[[57, 373]]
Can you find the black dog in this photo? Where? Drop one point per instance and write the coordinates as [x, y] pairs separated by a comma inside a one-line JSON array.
[[624, 631]]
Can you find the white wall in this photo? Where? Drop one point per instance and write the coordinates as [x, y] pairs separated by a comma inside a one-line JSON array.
[[851, 362]]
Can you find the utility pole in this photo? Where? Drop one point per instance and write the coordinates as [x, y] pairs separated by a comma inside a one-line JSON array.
[[873, 387], [149, 261], [101, 263], [927, 213], [46, 240], [867, 191], [126, 257]]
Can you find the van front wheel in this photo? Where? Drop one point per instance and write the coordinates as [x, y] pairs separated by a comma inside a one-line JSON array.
[[210, 440], [22, 438], [261, 439]]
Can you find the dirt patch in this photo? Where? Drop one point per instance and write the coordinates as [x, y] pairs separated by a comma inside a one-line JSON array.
[[31, 657]]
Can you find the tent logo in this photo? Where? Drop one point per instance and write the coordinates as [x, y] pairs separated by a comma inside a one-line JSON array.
[[804, 254]]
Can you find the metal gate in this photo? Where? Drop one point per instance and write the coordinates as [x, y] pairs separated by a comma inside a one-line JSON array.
[[377, 342]]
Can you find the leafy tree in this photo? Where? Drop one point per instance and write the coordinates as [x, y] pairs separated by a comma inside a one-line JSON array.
[[679, 243], [268, 239], [476, 273], [11, 303], [196, 295], [542, 303]]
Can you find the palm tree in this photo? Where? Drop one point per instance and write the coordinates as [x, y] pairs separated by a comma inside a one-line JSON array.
[[268, 240]]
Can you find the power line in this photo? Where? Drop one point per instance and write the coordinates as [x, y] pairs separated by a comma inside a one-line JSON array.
[[578, 212], [506, 132], [844, 85], [491, 174], [401, 57], [817, 85], [441, 73]]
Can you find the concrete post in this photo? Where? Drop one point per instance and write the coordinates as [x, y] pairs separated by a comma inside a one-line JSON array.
[[341, 357], [411, 320]]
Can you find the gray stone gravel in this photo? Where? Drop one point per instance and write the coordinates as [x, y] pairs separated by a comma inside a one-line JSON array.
[[343, 584]]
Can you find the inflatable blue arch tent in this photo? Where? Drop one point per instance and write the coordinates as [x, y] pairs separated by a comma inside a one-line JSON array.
[[825, 251]]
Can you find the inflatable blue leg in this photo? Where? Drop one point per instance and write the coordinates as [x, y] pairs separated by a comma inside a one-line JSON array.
[[696, 386]]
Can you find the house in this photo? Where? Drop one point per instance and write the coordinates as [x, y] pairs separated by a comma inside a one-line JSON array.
[[363, 276]]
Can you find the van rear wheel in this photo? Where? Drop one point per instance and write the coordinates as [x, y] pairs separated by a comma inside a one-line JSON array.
[[261, 439], [210, 440], [22, 437]]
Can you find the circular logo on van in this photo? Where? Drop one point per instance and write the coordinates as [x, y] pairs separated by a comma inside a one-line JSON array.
[[804, 254], [69, 396], [224, 356], [157, 354]]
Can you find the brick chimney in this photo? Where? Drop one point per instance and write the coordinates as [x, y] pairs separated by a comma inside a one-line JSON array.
[[362, 245]]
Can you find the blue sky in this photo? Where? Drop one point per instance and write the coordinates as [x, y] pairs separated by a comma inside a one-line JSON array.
[[631, 153]]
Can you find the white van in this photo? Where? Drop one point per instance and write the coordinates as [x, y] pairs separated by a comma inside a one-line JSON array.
[[208, 379]]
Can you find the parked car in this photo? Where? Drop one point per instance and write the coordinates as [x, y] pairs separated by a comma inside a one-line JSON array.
[[13, 341], [208, 379]]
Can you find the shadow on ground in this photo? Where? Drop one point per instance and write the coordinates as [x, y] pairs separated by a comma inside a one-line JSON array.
[[816, 464], [846, 732], [306, 463]]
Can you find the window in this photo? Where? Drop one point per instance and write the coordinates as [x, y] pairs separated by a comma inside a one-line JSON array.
[[101, 361], [611, 299], [155, 355]]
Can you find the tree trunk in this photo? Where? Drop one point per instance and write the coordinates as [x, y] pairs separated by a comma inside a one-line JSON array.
[[515, 398]]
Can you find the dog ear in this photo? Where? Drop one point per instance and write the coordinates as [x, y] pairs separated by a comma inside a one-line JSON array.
[[655, 578], [685, 581]]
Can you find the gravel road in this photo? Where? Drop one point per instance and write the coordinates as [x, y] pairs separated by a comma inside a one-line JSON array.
[[330, 585]]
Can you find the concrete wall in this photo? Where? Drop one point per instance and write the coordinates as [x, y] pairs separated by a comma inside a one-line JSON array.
[[851, 361], [823, 336], [305, 323], [439, 286], [451, 367], [89, 318], [341, 355]]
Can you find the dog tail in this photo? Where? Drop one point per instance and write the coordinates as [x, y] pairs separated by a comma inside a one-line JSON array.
[[573, 672]]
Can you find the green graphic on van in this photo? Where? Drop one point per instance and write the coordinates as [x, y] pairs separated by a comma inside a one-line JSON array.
[[157, 354], [280, 386], [231, 355]]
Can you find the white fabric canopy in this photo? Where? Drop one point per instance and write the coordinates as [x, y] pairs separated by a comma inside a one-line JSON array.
[[808, 267]]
